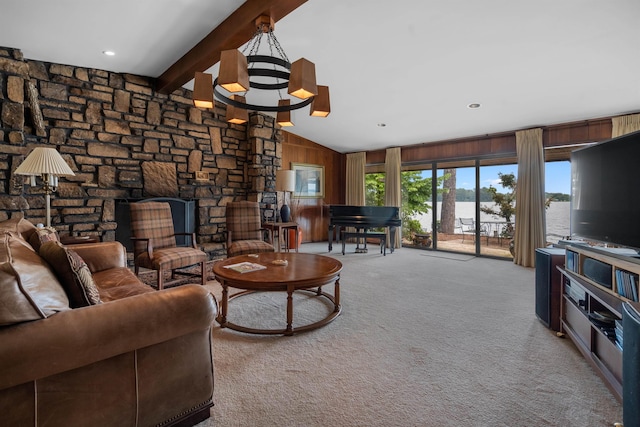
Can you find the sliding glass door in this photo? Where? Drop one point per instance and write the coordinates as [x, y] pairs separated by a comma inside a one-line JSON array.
[[497, 208], [468, 206], [456, 207]]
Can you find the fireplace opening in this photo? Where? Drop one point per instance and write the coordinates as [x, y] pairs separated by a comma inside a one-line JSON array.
[[183, 213]]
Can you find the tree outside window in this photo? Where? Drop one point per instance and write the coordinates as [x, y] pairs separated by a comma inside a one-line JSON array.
[[416, 195]]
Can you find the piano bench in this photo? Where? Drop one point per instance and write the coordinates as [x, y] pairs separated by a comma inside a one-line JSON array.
[[380, 235]]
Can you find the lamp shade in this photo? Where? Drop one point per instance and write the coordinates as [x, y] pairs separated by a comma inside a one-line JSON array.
[[237, 115], [44, 160], [285, 180], [302, 80], [283, 118], [203, 90], [320, 106], [234, 73]]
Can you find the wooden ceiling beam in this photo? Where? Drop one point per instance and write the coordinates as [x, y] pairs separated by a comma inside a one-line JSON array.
[[232, 33]]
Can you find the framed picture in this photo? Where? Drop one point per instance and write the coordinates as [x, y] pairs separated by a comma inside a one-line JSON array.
[[309, 180], [202, 176]]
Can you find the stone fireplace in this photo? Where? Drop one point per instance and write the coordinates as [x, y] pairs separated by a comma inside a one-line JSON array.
[[124, 141]]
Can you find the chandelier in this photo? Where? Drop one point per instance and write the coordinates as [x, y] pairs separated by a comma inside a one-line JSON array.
[[239, 73]]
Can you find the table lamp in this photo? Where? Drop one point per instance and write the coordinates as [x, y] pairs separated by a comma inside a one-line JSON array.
[[285, 181], [49, 165]]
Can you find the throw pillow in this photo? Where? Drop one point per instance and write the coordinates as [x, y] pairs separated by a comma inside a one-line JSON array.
[[72, 272], [29, 290], [43, 235]]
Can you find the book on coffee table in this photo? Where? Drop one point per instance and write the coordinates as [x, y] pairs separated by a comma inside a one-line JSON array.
[[245, 267]]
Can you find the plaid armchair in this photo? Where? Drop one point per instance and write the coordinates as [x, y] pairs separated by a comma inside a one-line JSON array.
[[154, 243], [245, 234]]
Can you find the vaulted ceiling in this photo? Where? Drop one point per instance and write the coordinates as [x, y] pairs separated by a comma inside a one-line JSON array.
[[400, 73]]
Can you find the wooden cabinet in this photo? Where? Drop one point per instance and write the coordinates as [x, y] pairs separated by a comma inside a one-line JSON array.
[[595, 283], [631, 364]]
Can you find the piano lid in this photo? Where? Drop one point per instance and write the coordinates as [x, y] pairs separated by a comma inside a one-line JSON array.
[[370, 215]]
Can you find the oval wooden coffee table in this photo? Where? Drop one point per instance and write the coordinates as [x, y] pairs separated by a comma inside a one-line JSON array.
[[303, 273]]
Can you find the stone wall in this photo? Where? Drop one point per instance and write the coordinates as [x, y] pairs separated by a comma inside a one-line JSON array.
[[124, 140]]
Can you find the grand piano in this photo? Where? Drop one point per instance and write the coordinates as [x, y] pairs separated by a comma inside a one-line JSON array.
[[363, 218]]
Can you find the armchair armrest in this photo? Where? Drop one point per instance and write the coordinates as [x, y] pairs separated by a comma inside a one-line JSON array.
[[149, 244], [193, 238], [82, 336]]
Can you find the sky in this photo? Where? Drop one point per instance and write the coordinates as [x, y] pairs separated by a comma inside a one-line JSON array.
[[557, 176]]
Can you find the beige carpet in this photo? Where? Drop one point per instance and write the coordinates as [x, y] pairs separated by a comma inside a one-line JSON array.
[[425, 339]]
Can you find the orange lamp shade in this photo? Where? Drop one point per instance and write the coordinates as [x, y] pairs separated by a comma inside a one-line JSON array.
[[302, 80], [203, 90], [234, 73], [237, 115], [320, 106], [283, 118]]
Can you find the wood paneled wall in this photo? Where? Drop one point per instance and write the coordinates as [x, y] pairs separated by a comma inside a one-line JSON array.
[[313, 214], [499, 145]]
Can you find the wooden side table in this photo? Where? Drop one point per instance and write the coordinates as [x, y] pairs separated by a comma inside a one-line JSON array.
[[276, 228]]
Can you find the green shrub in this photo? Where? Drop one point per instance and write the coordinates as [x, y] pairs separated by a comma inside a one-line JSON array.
[[410, 226]]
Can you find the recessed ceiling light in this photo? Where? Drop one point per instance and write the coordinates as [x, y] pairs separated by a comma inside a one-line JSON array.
[[381, 125], [108, 52], [474, 105]]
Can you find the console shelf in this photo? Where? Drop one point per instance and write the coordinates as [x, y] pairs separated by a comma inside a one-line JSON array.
[[595, 283]]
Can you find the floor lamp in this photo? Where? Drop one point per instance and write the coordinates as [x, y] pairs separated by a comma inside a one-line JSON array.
[[285, 181], [48, 164]]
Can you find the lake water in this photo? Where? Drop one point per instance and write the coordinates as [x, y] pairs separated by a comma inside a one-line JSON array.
[[558, 217]]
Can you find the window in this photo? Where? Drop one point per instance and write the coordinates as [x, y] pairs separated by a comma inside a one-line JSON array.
[[465, 222], [557, 176]]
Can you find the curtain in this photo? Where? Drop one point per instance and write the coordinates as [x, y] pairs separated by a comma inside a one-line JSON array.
[[625, 124], [354, 194], [530, 201], [393, 187]]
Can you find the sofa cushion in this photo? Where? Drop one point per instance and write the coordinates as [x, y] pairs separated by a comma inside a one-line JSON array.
[[118, 283], [43, 235], [29, 290], [72, 272]]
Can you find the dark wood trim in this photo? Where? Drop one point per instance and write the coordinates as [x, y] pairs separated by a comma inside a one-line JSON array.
[[232, 33], [455, 149], [500, 145], [577, 132]]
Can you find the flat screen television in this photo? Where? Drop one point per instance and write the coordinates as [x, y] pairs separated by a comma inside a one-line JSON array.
[[605, 192]]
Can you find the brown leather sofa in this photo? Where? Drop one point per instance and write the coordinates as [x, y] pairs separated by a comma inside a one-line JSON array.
[[138, 357]]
